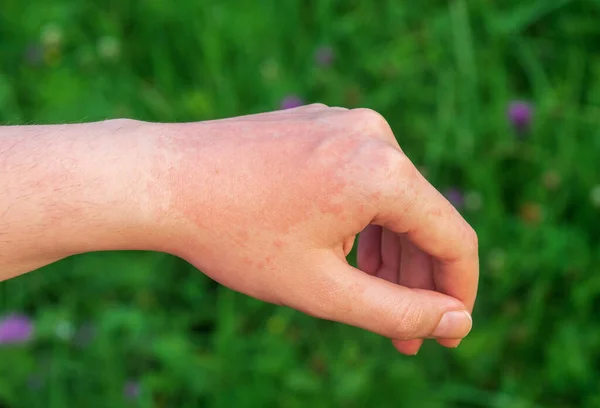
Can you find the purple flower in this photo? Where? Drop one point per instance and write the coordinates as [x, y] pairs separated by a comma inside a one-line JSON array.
[[131, 390], [15, 328], [291, 101], [324, 56], [520, 114], [455, 196]]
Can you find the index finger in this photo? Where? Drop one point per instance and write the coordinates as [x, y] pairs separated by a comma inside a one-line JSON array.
[[412, 206]]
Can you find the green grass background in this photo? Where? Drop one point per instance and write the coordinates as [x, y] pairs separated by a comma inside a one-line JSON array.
[[442, 73]]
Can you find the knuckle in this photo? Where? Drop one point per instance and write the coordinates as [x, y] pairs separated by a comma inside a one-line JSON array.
[[403, 173], [374, 125], [338, 109], [380, 160], [405, 167], [371, 118], [317, 105], [389, 171]]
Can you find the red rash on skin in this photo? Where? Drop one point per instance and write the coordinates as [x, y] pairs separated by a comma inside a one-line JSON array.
[[234, 181], [268, 188], [242, 238], [436, 212]]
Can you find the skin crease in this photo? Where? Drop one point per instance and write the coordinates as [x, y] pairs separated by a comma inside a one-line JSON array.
[[269, 205]]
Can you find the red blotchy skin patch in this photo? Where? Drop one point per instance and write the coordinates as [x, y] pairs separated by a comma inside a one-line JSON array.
[[251, 197], [242, 238], [376, 196], [259, 186], [331, 207], [436, 212]]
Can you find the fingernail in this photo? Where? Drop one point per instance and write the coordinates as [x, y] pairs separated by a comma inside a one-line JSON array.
[[454, 325]]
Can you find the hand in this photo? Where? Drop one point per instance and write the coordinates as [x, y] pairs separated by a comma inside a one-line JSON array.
[[270, 205]]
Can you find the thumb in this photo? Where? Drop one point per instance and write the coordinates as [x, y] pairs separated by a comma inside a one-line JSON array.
[[353, 297]]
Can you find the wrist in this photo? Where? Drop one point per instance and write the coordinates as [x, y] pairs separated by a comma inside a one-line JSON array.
[[182, 182]]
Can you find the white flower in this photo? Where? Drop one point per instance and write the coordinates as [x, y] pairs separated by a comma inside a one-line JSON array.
[[51, 35], [64, 330], [109, 47]]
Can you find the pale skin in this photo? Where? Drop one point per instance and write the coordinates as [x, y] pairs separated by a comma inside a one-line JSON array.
[[268, 205]]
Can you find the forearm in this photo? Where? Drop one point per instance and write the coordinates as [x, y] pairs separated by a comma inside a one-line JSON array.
[[69, 189]]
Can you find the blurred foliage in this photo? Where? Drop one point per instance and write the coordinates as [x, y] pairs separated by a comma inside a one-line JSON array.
[[443, 74]]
